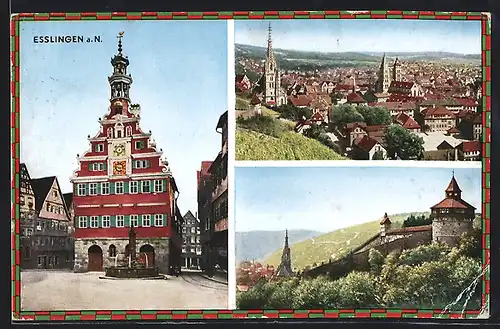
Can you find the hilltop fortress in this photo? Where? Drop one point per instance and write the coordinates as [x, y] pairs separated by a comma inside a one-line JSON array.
[[451, 218]]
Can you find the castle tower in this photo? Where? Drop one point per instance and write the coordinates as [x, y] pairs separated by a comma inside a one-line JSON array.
[[385, 226], [383, 77], [451, 217], [396, 71], [285, 267], [120, 182]]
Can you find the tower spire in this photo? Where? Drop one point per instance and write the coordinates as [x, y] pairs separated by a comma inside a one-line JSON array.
[[120, 36], [120, 80], [269, 41], [286, 238]]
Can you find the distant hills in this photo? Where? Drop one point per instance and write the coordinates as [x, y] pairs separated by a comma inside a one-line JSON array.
[[256, 245], [290, 59], [335, 244]]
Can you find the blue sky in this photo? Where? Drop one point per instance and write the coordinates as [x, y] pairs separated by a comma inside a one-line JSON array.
[[369, 35], [180, 80], [328, 198]]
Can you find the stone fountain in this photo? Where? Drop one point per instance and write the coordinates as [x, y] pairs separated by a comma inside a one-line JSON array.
[[131, 268]]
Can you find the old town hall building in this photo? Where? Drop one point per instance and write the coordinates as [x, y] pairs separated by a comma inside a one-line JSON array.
[[122, 181]]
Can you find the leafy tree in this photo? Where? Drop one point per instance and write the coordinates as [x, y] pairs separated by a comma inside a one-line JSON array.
[[470, 244], [358, 290], [375, 115], [335, 96], [406, 145], [413, 220], [344, 114], [317, 293], [376, 260], [378, 155], [294, 113]]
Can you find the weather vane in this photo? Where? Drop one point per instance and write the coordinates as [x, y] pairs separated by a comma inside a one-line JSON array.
[[120, 35]]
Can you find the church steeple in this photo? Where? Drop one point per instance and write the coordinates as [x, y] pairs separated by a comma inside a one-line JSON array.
[[285, 267], [120, 81], [269, 42]]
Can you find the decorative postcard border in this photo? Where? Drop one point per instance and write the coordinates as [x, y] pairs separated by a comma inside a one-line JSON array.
[[17, 314]]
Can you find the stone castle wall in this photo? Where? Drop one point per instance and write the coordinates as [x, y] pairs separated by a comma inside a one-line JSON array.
[[160, 245], [449, 230], [359, 260]]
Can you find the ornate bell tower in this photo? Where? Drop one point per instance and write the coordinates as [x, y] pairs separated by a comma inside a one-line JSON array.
[[120, 81]]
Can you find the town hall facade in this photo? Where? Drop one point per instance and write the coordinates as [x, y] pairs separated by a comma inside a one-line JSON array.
[[122, 181]]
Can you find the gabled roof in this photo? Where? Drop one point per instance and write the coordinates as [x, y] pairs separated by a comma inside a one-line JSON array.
[[355, 98], [68, 199], [365, 143], [317, 117], [453, 186], [41, 187], [189, 215], [300, 100], [255, 100]]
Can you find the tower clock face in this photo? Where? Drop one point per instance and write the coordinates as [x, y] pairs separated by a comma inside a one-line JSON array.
[[119, 150]]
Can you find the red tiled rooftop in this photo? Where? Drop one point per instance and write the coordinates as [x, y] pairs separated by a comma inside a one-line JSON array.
[[422, 228], [300, 100], [355, 98], [471, 146], [437, 111], [451, 203], [365, 143]]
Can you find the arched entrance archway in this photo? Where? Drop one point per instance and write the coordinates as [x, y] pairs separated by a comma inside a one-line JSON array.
[[95, 258], [149, 254], [112, 251], [127, 250]]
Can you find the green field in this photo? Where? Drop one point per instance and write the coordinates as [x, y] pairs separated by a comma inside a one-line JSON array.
[[242, 103], [333, 245], [251, 145]]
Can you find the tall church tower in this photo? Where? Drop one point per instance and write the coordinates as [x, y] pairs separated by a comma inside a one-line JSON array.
[[396, 70], [271, 72], [383, 77], [285, 267]]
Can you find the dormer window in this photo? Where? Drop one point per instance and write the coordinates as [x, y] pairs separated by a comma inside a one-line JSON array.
[[110, 132]]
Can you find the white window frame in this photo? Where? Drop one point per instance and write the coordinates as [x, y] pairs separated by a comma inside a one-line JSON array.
[[148, 185], [193, 250], [100, 148], [105, 188], [158, 220], [91, 186], [81, 189], [183, 250], [82, 220], [146, 219], [158, 186], [106, 221], [122, 187], [193, 240], [94, 221], [134, 219], [133, 187], [193, 230], [141, 164], [120, 221]]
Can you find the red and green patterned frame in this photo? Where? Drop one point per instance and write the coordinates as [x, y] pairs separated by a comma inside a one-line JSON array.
[[231, 314]]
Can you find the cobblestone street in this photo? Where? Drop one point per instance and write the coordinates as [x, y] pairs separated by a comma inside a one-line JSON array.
[[57, 290]]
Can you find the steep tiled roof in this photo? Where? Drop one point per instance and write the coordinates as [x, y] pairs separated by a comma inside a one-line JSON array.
[[385, 220], [365, 143], [300, 100], [255, 100], [68, 199], [470, 146], [41, 187], [468, 102], [437, 111], [452, 203], [355, 98]]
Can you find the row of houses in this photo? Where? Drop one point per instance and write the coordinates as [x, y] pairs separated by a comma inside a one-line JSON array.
[[46, 223], [213, 207]]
